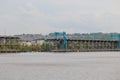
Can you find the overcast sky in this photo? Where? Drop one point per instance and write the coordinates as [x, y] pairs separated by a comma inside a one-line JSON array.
[[44, 16]]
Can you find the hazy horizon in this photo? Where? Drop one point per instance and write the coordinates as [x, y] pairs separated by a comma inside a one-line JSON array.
[[46, 16]]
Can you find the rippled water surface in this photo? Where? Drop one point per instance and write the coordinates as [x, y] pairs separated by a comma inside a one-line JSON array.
[[60, 66]]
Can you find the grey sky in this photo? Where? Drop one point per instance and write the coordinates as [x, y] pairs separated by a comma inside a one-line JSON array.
[[44, 16]]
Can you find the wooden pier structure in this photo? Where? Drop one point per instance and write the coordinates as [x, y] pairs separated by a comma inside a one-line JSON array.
[[9, 44], [83, 45]]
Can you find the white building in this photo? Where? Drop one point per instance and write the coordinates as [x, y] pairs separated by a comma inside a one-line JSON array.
[[37, 42], [26, 43]]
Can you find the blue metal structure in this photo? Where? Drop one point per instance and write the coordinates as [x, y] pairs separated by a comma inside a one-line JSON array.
[[64, 38], [111, 36], [118, 40]]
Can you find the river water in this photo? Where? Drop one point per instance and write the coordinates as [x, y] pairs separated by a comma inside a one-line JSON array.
[[60, 66]]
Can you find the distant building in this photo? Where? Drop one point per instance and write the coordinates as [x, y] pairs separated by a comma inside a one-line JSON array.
[[26, 43], [37, 42]]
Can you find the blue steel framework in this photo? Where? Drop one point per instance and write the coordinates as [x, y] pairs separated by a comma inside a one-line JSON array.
[[64, 38], [119, 40]]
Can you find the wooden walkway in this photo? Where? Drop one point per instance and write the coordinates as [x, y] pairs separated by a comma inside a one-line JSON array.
[[10, 51], [85, 50]]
